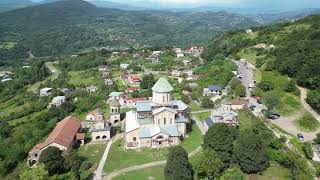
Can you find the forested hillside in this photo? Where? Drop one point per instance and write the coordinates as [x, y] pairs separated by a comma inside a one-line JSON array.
[[296, 51], [69, 26]]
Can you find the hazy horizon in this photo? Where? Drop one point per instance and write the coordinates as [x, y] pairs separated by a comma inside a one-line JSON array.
[[255, 4]]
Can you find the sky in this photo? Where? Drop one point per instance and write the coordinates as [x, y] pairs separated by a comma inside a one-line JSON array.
[[261, 4]]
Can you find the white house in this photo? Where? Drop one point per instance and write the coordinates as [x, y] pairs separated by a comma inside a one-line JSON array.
[[92, 89], [45, 92], [124, 66], [57, 101]]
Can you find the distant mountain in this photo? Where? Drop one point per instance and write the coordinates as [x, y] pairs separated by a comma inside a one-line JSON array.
[[7, 5], [114, 5], [70, 26]]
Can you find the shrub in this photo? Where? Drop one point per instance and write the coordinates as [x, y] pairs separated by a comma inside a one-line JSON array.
[[265, 85]]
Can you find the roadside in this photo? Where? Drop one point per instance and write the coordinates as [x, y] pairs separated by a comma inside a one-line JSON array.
[[303, 97]]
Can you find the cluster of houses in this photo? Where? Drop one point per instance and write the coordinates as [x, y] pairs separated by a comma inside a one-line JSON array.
[[226, 113], [6, 76], [178, 74]]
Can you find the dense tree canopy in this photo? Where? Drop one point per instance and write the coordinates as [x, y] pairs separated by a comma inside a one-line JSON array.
[[251, 153], [178, 166]]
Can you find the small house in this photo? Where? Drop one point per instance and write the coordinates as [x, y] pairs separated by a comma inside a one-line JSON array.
[[238, 104], [212, 91], [116, 95], [176, 73], [102, 68], [45, 92], [186, 62], [132, 89], [134, 79], [57, 101], [249, 31], [108, 82], [124, 66], [92, 89]]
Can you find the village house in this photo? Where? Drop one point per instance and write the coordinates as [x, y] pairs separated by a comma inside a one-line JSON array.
[[108, 82], [159, 122], [132, 89], [134, 79], [194, 50], [6, 79], [65, 90], [45, 92], [136, 55], [261, 46], [124, 66], [57, 101], [186, 62], [212, 91], [63, 135], [249, 31], [102, 68], [237, 104], [116, 95], [176, 73], [222, 115], [115, 54], [153, 58], [92, 89]]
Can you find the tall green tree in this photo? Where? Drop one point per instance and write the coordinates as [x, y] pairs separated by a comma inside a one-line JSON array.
[[208, 164], [178, 166], [53, 160], [147, 81], [250, 152], [220, 138]]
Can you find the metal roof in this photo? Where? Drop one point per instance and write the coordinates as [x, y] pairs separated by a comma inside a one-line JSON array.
[[162, 86], [143, 106]]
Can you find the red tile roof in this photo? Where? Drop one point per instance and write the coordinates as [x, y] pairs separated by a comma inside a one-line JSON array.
[[80, 136], [239, 102], [63, 134]]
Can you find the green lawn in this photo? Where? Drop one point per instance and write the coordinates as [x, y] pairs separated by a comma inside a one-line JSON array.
[[307, 122], [246, 120], [120, 158], [92, 153], [154, 173], [250, 54], [274, 172], [195, 107], [193, 139], [288, 103], [202, 116], [82, 78]]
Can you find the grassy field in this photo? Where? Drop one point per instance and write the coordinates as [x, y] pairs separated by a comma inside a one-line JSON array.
[[92, 153], [307, 122], [78, 78], [120, 158], [250, 54], [154, 173], [246, 120], [202, 116], [274, 172], [288, 103], [193, 139], [195, 107]]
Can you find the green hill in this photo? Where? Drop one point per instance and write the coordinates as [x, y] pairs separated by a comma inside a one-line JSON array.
[[69, 26], [296, 52]]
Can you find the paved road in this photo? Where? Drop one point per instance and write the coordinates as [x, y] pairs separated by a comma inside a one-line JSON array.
[[303, 98], [98, 172], [201, 111], [199, 124]]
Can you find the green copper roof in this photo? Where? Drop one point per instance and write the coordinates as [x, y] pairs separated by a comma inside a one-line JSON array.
[[162, 86]]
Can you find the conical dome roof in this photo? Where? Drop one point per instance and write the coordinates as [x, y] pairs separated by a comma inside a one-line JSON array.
[[162, 86]]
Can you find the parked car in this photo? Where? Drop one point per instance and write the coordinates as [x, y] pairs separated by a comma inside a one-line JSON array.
[[300, 136], [271, 115]]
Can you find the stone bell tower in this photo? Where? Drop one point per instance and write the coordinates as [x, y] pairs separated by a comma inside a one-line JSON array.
[[114, 111]]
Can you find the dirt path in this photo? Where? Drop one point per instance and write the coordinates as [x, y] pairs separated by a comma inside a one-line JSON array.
[[98, 172], [303, 98]]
